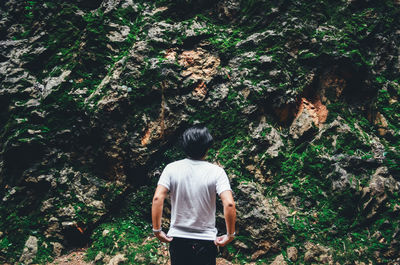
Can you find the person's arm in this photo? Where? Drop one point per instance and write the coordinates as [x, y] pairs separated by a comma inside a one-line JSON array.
[[156, 212], [230, 218]]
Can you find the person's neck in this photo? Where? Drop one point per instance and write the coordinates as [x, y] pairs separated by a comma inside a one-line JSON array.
[[197, 159]]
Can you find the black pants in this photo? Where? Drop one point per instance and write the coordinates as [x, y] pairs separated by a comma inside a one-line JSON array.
[[185, 251]]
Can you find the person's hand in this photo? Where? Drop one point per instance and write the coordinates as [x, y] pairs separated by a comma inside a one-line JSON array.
[[222, 241], [163, 237]]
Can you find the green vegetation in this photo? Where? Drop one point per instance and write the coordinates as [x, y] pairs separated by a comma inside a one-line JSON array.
[[387, 103], [128, 232], [268, 51], [17, 226]]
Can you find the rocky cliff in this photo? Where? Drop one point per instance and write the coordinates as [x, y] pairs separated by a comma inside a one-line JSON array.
[[302, 98]]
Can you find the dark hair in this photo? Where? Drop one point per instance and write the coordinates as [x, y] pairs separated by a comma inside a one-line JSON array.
[[196, 141]]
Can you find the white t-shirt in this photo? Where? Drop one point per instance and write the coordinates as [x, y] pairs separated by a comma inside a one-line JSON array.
[[193, 185]]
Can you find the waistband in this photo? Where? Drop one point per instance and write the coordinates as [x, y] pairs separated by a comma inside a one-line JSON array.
[[191, 240]]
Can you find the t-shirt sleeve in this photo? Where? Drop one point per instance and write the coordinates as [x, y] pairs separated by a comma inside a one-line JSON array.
[[165, 178], [222, 182]]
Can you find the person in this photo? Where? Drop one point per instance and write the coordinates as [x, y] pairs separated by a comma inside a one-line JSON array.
[[193, 184]]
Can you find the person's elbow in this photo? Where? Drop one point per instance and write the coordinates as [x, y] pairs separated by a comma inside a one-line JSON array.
[[227, 199], [230, 204], [159, 195], [157, 199]]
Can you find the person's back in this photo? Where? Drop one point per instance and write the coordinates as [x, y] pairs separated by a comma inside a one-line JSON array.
[[193, 184]]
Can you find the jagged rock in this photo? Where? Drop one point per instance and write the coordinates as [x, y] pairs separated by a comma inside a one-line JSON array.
[[109, 5], [341, 179], [382, 181], [200, 65], [331, 86], [266, 137], [337, 128], [303, 123], [30, 250], [378, 149], [106, 259], [47, 204], [263, 247], [229, 8], [105, 232], [157, 33], [54, 81], [117, 259], [57, 248], [193, 30], [317, 253], [240, 244], [119, 34], [104, 111], [12, 77], [279, 260], [99, 256], [67, 211], [258, 215], [292, 253], [53, 228], [221, 261], [258, 37], [62, 216], [375, 194], [256, 172], [285, 191], [216, 95], [382, 124]]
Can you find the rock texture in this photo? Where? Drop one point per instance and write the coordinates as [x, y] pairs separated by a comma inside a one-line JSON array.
[[30, 250], [302, 98]]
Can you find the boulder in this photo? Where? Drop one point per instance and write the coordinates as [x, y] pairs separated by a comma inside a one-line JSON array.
[[57, 248], [292, 253], [279, 260], [117, 259], [30, 250], [307, 120], [376, 193], [317, 253], [266, 137], [259, 217]]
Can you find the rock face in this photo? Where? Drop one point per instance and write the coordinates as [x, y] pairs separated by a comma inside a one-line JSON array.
[[117, 259], [279, 260], [258, 215], [30, 250], [292, 253], [199, 64], [259, 218], [302, 98], [317, 253]]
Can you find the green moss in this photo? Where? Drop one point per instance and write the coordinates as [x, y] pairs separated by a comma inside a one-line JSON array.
[[127, 230], [16, 227], [350, 144], [342, 31], [45, 251], [330, 216]]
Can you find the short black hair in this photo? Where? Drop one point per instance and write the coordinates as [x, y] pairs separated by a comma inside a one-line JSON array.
[[196, 141]]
